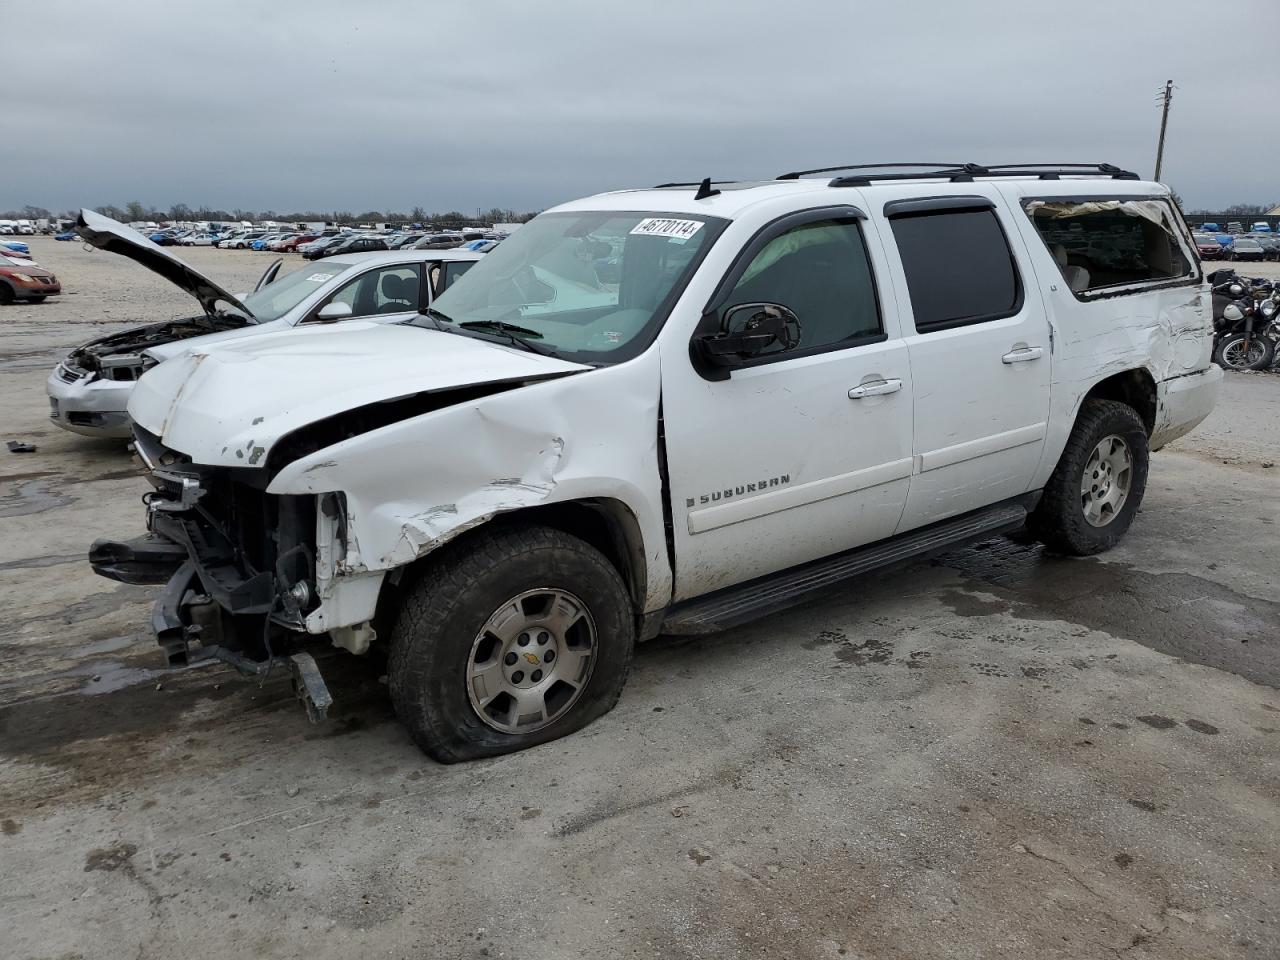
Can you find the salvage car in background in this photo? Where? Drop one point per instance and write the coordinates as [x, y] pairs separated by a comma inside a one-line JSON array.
[[1208, 247], [89, 390], [356, 243], [1245, 249], [559, 458], [24, 279]]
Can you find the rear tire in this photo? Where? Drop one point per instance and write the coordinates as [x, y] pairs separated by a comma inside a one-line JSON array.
[[1097, 486], [469, 666], [1230, 353]]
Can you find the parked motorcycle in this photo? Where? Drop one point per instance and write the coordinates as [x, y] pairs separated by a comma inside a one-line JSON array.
[[1245, 321]]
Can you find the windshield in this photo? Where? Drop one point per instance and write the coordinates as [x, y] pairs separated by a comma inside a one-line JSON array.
[[283, 294], [592, 287]]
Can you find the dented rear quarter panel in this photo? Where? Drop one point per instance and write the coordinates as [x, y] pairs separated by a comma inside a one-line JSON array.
[[415, 485], [1168, 332]]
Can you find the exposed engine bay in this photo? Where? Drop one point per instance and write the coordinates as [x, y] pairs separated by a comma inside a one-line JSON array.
[[119, 356]]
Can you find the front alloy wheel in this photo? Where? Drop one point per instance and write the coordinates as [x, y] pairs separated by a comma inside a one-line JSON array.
[[531, 660], [508, 638]]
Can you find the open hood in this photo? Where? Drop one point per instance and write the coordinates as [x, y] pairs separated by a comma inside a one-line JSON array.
[[107, 234], [229, 404]]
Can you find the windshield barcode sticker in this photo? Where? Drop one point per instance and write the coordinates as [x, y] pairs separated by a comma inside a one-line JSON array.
[[320, 277], [665, 227]]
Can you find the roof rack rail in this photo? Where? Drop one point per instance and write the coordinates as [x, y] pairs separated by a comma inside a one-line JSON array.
[[797, 174], [965, 173]]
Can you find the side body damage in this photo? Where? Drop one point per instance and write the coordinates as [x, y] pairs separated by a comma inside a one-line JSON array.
[[520, 449]]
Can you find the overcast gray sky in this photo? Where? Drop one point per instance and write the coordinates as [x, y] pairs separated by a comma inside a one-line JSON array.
[[453, 105]]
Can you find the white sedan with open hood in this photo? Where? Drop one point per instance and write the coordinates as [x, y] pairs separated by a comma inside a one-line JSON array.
[[89, 390]]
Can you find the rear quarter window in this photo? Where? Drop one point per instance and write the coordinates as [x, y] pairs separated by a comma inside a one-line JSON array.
[[1109, 246]]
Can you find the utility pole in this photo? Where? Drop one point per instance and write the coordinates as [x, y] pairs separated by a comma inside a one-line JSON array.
[[1164, 124]]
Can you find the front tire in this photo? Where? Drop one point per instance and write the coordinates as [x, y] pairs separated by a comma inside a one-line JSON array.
[[1097, 486], [1231, 353], [511, 639]]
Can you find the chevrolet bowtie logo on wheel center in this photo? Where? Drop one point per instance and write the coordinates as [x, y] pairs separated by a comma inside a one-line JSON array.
[[532, 658]]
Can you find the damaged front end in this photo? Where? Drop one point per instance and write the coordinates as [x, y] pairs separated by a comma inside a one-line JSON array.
[[121, 356], [238, 567]]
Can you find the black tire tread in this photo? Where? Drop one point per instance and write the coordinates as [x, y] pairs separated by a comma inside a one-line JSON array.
[[428, 605], [1057, 521]]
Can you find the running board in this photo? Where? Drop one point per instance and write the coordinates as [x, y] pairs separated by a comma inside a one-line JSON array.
[[748, 601]]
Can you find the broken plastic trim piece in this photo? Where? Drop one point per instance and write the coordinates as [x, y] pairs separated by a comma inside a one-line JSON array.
[[309, 686]]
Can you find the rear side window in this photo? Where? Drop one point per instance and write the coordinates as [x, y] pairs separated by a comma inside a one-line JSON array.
[[958, 266], [1111, 244]]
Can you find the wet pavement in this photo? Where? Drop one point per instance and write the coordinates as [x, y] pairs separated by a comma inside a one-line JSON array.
[[996, 753]]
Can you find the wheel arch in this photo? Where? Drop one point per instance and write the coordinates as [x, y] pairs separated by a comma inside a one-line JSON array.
[[605, 523], [1135, 387]]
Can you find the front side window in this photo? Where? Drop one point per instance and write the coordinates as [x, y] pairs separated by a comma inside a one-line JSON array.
[[393, 289], [1104, 244], [593, 286], [959, 268], [821, 273], [283, 294]]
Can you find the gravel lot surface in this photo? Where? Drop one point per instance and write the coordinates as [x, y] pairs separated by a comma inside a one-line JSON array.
[[996, 754]]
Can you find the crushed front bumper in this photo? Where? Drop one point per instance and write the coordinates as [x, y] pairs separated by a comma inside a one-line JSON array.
[[85, 404], [222, 599]]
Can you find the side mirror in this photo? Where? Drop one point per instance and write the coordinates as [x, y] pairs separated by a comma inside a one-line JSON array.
[[748, 330], [334, 311]]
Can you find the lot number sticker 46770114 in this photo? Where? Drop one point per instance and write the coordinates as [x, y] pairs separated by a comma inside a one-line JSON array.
[[666, 227]]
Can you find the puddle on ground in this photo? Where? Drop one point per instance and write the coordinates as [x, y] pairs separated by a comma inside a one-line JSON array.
[[29, 359], [105, 645], [1175, 613], [48, 560], [108, 676], [34, 496]]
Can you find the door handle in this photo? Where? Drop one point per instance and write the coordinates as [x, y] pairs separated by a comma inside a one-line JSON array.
[[1023, 354], [875, 388]]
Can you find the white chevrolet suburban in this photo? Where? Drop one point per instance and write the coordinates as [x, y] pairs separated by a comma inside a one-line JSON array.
[[668, 410]]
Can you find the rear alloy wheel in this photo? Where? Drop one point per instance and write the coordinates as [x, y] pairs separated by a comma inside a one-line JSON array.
[[1240, 352], [1097, 486], [512, 638], [1104, 485]]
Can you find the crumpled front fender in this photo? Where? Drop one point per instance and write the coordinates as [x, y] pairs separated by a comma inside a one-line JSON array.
[[413, 486]]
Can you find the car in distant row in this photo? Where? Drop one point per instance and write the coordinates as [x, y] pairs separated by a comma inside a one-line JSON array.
[[1208, 247], [24, 279], [353, 243], [1246, 248]]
